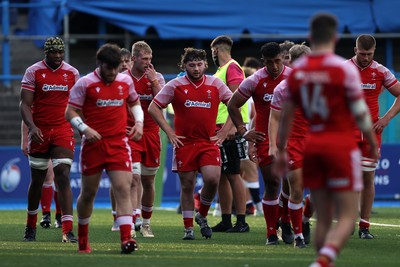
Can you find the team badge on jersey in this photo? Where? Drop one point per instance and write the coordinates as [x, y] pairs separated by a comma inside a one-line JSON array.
[[120, 90]]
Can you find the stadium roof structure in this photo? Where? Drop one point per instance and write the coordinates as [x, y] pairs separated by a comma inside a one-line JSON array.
[[205, 19]]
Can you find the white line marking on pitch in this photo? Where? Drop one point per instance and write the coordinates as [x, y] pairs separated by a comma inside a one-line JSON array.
[[385, 225], [371, 223]]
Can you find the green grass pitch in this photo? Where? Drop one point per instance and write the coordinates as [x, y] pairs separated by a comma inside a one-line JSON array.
[[168, 249]]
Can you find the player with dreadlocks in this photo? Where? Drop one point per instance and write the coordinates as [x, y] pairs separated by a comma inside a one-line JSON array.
[[44, 96]]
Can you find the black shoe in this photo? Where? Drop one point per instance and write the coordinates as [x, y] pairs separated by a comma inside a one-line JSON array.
[[299, 243], [272, 240], [58, 223], [129, 246], [240, 227], [30, 234], [221, 227], [306, 232], [364, 233], [205, 230], [45, 222], [69, 238], [287, 233]]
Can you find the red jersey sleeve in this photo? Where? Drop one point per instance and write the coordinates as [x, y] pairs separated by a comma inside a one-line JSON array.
[[166, 94], [352, 81], [234, 74], [78, 93], [280, 96]]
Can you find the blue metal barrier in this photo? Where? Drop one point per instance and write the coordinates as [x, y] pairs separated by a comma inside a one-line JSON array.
[[15, 176]]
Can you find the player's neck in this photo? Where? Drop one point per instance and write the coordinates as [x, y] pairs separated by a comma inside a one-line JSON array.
[[51, 65], [196, 81], [224, 58], [323, 48], [136, 73]]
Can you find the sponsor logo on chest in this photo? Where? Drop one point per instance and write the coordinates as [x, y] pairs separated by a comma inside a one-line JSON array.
[[109, 102], [268, 97], [145, 97], [198, 104], [55, 87], [368, 86]]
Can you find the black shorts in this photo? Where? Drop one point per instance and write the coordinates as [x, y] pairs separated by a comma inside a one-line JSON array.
[[231, 164]]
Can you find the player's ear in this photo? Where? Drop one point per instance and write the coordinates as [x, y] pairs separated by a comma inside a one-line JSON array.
[[355, 50]]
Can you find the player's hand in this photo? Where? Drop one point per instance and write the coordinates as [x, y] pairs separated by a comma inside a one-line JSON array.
[[151, 73], [280, 164], [219, 137], [175, 140], [35, 135], [273, 151], [254, 136], [252, 152], [380, 125], [24, 149], [136, 131], [227, 132], [91, 135]]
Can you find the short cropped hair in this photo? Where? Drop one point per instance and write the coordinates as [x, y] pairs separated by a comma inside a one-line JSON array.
[[270, 50], [323, 28], [192, 54], [109, 54], [223, 41], [286, 45], [298, 50], [140, 46], [125, 53], [366, 41], [252, 62]]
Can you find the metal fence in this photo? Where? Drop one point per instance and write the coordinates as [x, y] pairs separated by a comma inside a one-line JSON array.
[[10, 9]]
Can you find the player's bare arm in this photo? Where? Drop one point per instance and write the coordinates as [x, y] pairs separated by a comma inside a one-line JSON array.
[[361, 113], [157, 114], [72, 115], [227, 132], [393, 111], [24, 138], [234, 105], [136, 132], [25, 106], [286, 118], [273, 125]]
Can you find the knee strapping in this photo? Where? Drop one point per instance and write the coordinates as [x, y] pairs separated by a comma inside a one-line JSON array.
[[253, 184], [38, 163], [149, 170], [57, 162], [136, 168]]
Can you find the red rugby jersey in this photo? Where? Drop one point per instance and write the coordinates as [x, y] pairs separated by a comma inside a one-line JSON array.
[[51, 91], [373, 79], [104, 104], [144, 89], [300, 124], [323, 85], [260, 86], [195, 105]]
